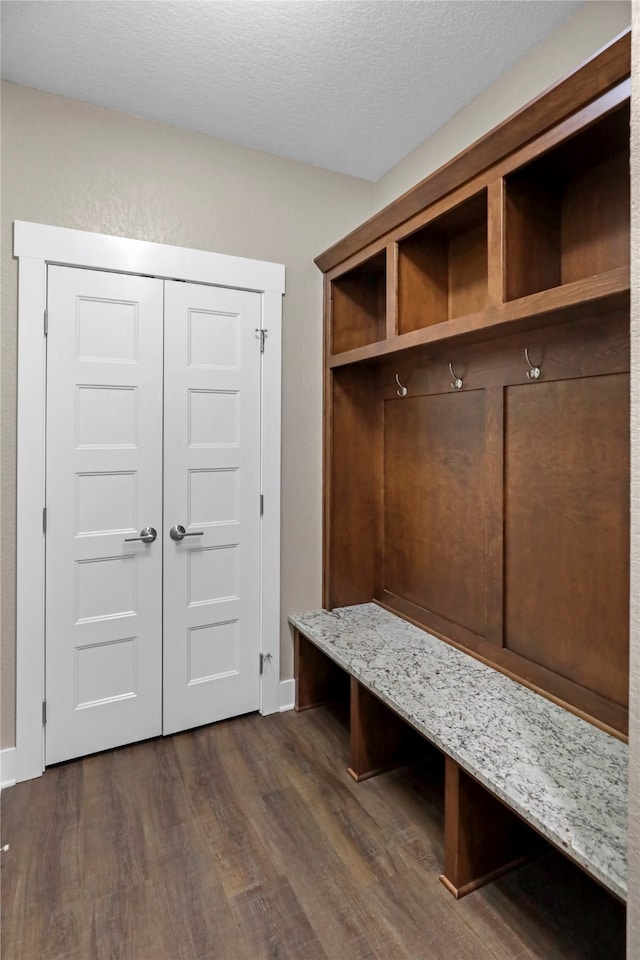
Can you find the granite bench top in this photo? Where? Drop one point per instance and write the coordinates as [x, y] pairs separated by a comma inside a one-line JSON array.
[[561, 774]]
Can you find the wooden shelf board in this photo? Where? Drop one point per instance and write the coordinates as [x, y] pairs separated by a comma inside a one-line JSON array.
[[606, 291]]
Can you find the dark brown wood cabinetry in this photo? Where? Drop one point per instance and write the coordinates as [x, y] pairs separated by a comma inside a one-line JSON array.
[[477, 398], [442, 267]]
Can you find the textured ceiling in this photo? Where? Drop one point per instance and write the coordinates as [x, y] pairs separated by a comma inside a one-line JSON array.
[[350, 86]]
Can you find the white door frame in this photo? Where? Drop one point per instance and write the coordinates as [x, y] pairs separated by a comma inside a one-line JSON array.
[[37, 245]]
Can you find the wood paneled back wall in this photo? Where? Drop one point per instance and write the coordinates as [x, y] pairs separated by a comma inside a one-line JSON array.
[[477, 399]]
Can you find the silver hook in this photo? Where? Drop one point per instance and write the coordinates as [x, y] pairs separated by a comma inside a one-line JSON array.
[[534, 372], [456, 383], [401, 391]]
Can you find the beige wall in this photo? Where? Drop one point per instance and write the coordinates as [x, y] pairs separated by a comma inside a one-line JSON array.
[[590, 28], [633, 909], [74, 165]]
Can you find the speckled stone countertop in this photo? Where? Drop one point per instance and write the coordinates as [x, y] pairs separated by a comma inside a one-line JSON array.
[[563, 775]]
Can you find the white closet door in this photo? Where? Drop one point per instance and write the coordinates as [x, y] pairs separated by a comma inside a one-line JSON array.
[[104, 484], [212, 490]]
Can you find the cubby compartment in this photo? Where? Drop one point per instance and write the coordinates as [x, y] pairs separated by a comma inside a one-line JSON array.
[[567, 212], [359, 305], [353, 528], [442, 268]]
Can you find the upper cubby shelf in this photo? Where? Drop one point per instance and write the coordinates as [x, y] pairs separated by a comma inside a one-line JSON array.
[[359, 305], [590, 297], [442, 267], [567, 212]]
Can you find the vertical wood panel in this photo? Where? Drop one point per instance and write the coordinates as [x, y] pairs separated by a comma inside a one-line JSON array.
[[495, 514], [566, 529], [356, 488], [327, 446], [495, 242], [392, 290], [435, 504]]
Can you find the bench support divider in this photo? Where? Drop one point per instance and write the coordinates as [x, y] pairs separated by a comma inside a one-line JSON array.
[[380, 739], [483, 839], [318, 679]]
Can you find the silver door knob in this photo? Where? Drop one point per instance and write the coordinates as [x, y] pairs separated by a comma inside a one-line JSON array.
[[147, 535], [178, 532]]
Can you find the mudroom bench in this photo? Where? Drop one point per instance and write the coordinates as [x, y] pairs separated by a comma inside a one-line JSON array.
[[514, 760]]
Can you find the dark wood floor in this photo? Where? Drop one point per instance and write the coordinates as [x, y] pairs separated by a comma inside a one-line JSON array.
[[248, 840]]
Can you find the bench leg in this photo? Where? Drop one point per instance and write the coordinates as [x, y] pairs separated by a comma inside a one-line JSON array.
[[483, 839], [318, 679], [380, 739]]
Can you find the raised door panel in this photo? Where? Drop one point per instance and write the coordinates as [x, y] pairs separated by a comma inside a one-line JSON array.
[[435, 509], [567, 529]]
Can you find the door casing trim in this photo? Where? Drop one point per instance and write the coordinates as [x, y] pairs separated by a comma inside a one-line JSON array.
[[36, 246]]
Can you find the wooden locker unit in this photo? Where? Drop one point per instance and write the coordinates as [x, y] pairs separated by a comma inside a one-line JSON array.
[[477, 398]]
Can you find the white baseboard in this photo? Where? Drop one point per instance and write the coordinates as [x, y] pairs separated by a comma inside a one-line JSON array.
[[8, 762], [287, 695]]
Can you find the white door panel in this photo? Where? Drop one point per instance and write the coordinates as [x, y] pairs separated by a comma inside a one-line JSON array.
[[212, 489], [104, 458]]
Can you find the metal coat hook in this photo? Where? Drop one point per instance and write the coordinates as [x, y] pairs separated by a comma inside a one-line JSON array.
[[456, 383], [401, 391], [533, 373]]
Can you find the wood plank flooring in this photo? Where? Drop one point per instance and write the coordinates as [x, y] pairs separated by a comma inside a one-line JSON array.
[[248, 840]]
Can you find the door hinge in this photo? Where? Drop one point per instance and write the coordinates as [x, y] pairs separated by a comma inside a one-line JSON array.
[[46, 323], [261, 504], [44, 519], [264, 658], [44, 713], [261, 333]]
